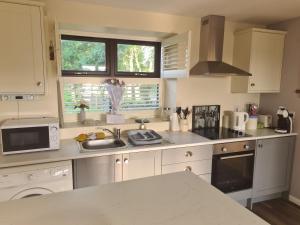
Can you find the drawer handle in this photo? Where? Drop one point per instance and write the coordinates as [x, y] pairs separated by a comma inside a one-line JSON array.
[[188, 154], [188, 169]]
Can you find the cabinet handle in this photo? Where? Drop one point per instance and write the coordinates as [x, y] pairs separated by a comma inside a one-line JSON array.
[[252, 84], [118, 161], [188, 154], [188, 169], [126, 161], [39, 84]]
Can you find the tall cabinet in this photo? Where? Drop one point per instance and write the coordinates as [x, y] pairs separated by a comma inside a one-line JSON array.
[[260, 52], [22, 55]]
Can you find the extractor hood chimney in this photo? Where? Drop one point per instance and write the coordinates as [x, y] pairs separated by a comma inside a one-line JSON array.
[[211, 50]]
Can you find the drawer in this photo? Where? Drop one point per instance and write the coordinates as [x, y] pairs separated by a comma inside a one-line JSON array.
[[179, 155], [206, 177], [197, 167]]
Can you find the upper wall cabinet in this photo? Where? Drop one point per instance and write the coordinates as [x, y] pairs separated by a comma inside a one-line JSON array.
[[260, 52], [176, 56], [22, 58]]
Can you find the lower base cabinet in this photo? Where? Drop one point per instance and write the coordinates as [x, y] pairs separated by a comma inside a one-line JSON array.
[[273, 166], [114, 168]]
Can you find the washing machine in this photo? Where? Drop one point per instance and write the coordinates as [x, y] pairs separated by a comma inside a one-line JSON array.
[[34, 180]]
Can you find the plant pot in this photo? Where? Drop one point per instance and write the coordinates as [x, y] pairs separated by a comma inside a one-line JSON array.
[[81, 116]]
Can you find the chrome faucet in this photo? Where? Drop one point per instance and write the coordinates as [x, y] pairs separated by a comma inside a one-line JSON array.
[[116, 133]]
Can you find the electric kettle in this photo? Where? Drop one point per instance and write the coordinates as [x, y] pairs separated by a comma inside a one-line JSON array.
[[239, 120]]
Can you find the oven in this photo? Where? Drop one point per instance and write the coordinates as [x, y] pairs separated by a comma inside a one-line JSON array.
[[232, 167]]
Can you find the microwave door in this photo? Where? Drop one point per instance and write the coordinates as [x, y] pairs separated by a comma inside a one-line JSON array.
[[25, 139]]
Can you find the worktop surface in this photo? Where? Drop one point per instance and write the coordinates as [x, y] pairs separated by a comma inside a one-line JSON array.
[[70, 148], [173, 199]]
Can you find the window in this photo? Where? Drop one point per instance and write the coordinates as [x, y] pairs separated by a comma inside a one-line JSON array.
[[84, 55], [135, 58], [89, 56], [136, 97]]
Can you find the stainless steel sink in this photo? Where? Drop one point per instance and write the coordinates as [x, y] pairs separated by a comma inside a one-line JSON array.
[[102, 144]]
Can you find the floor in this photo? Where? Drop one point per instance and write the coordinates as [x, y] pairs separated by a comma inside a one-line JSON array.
[[278, 212]]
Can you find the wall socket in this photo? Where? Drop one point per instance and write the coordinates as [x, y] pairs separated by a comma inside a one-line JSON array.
[[17, 98]]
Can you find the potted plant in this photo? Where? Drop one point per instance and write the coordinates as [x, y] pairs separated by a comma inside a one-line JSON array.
[[82, 105]]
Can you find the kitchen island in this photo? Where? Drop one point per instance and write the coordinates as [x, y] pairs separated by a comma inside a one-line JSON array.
[[173, 199]]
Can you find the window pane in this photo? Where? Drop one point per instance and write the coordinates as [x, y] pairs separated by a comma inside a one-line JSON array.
[[136, 97], [83, 55], [136, 58]]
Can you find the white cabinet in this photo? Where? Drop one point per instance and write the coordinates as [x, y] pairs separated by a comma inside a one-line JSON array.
[[273, 165], [260, 52], [175, 53], [141, 164], [22, 58], [196, 159]]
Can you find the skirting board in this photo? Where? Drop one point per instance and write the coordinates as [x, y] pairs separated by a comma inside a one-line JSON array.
[[294, 200]]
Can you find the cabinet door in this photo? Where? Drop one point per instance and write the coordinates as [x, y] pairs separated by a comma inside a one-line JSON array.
[[141, 164], [266, 61], [273, 164], [176, 52], [97, 170], [22, 61]]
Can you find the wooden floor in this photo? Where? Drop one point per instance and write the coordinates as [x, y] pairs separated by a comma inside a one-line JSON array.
[[278, 212]]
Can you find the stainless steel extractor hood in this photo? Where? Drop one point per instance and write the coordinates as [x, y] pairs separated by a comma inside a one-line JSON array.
[[211, 50]]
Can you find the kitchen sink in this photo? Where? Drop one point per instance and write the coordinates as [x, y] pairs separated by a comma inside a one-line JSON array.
[[102, 144]]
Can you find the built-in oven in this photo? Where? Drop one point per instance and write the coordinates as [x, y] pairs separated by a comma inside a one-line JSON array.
[[233, 165]]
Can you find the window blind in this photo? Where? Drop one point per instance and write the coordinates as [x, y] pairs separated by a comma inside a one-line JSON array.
[[136, 97]]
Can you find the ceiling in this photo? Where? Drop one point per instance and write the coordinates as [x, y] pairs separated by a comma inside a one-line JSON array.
[[252, 11]]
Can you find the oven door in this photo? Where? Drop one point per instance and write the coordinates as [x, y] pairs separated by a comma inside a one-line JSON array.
[[233, 171], [24, 139]]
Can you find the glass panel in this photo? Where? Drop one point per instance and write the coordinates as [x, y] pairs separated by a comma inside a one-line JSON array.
[[135, 58], [234, 174], [83, 55], [29, 138]]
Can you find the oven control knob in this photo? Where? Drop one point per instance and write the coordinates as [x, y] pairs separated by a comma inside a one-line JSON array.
[[224, 149], [246, 147]]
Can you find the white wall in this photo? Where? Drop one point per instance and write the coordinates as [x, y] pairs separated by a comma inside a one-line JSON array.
[[190, 91]]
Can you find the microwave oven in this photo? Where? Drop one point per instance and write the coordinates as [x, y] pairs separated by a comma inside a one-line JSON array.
[[29, 135]]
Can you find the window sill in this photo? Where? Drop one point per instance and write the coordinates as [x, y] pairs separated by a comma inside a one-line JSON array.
[[72, 129]]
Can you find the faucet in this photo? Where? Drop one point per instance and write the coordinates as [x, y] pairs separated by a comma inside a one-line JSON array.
[[116, 133]]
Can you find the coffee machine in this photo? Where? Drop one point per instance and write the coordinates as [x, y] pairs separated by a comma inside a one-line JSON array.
[[285, 121]]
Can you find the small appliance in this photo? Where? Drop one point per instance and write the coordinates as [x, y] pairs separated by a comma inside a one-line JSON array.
[[239, 120], [29, 135], [284, 122], [266, 120]]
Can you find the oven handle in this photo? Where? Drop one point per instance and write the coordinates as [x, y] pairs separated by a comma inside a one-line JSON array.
[[237, 156]]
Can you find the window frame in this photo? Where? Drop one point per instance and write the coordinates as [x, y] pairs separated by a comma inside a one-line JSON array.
[[157, 59], [83, 73], [112, 57]]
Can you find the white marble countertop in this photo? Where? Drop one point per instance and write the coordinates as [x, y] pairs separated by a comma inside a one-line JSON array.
[[70, 149], [173, 199]]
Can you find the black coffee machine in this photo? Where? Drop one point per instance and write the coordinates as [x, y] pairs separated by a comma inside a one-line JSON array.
[[285, 121]]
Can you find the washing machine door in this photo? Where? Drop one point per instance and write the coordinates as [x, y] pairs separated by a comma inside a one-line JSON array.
[[31, 192]]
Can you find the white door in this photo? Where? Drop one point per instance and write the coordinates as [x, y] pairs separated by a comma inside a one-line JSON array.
[[266, 62], [22, 62]]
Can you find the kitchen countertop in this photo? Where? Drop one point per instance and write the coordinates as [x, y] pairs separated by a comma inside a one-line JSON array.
[[70, 149], [173, 199]]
